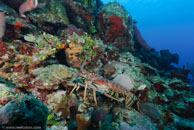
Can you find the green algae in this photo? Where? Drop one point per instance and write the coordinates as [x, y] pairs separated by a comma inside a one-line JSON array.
[[52, 120]]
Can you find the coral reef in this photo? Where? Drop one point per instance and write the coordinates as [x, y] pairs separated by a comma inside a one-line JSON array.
[[85, 65], [115, 25]]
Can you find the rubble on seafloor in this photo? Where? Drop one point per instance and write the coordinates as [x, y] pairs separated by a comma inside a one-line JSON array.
[[49, 57]]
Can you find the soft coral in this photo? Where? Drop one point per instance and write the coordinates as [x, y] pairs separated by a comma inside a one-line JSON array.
[[140, 39]]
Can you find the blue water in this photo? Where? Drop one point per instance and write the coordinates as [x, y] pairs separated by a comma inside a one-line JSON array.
[[165, 24]]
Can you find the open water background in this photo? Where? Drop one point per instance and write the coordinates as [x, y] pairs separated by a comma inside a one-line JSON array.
[[165, 24]]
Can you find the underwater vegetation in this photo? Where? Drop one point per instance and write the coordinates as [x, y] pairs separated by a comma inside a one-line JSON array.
[[82, 65]]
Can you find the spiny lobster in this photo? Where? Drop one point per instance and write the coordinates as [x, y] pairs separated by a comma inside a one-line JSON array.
[[108, 88]]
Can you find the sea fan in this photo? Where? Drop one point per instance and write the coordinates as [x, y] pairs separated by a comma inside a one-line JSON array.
[[140, 38]]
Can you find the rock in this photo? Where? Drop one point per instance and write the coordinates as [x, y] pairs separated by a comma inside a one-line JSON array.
[[82, 14], [15, 4], [183, 124], [51, 76], [5, 8], [160, 87], [6, 94], [99, 116], [62, 104], [125, 126], [81, 48], [62, 110], [109, 69], [16, 28], [26, 111], [182, 109], [148, 70], [132, 120], [72, 54], [115, 24], [108, 124], [55, 98], [72, 125], [54, 127], [70, 30], [166, 58], [49, 15], [150, 110]]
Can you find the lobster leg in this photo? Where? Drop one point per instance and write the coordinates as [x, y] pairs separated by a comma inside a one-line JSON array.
[[78, 87], [94, 94], [112, 97], [85, 90], [130, 100], [75, 86]]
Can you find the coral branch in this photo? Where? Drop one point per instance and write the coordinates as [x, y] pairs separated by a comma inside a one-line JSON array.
[[27, 6]]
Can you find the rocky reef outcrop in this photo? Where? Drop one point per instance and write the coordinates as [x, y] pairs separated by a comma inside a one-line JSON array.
[[115, 26], [24, 112]]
